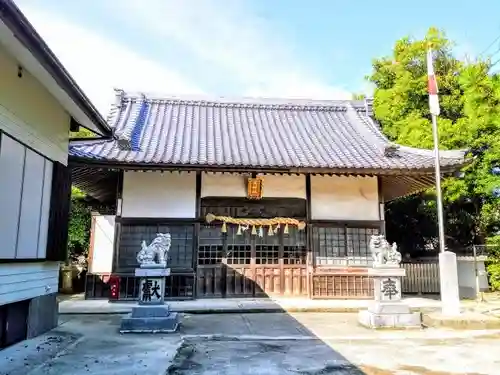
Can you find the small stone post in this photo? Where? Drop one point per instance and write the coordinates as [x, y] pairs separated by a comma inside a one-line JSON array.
[[387, 310], [152, 315]]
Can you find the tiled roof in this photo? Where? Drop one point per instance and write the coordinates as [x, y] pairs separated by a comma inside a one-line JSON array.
[[259, 133]]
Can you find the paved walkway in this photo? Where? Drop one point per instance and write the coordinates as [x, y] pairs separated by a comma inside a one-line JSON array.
[[78, 306], [244, 344]]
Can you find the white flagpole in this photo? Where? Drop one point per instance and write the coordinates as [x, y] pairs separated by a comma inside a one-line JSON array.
[[439, 197], [448, 272]]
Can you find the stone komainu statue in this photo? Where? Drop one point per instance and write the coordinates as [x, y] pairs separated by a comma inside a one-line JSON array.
[[383, 253], [156, 252]]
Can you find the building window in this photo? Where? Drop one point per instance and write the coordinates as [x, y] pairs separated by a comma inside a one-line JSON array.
[[239, 249], [358, 240], [181, 249], [210, 245], [294, 247], [329, 245], [342, 245]]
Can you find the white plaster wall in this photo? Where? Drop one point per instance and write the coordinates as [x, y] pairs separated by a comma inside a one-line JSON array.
[[223, 185], [274, 186], [344, 198], [155, 194], [20, 281], [102, 243], [467, 277], [284, 186], [30, 113]]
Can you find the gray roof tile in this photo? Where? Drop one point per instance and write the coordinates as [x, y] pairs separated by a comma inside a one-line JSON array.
[[261, 133]]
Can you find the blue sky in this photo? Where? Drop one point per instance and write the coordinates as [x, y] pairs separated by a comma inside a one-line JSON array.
[[275, 48]]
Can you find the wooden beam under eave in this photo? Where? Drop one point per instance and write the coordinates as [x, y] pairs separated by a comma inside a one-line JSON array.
[[395, 187]]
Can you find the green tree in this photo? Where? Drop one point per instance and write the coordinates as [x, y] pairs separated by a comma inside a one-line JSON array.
[[469, 98], [79, 225], [82, 133], [79, 216], [358, 96]]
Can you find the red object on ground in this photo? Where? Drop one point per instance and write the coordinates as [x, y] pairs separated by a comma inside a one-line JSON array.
[[114, 287]]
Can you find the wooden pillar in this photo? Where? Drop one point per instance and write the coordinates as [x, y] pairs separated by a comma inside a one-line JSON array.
[[309, 238], [119, 203], [60, 202], [381, 205], [198, 219]]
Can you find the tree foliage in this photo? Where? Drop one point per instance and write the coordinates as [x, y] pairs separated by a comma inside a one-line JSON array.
[[79, 225], [469, 98], [82, 133], [79, 217]]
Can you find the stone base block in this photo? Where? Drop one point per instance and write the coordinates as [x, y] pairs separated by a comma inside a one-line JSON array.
[[150, 319], [371, 319], [388, 308]]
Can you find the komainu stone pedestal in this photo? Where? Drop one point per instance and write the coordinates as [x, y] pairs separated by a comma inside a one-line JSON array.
[[388, 310], [151, 315]]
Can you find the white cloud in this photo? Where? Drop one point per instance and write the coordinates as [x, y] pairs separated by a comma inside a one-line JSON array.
[[99, 65], [226, 33]]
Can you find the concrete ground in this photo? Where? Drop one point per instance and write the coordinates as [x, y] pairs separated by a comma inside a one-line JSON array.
[[267, 343], [78, 305]]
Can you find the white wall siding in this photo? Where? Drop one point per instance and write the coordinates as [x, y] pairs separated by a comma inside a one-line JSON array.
[[344, 198], [45, 210], [102, 243], [24, 201], [154, 194], [31, 201], [11, 172], [30, 113], [20, 281], [234, 185]]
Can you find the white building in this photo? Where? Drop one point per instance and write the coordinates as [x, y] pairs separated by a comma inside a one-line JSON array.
[[214, 174], [39, 103]]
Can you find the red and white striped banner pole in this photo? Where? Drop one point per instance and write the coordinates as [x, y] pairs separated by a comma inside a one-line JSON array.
[[448, 272]]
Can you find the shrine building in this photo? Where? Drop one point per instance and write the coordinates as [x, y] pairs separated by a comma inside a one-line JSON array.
[[261, 197]]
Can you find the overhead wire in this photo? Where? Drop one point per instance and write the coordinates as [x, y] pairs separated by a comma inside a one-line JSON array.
[[490, 45], [491, 55]]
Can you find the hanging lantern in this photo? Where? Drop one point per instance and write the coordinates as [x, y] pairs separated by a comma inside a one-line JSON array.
[[254, 188]]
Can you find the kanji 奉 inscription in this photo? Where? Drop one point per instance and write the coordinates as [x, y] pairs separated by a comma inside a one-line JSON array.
[[388, 310], [389, 288]]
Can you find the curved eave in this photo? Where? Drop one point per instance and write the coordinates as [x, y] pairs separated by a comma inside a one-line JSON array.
[[110, 164]]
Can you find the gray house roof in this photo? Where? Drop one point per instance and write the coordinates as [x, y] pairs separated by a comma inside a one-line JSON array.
[[253, 133]]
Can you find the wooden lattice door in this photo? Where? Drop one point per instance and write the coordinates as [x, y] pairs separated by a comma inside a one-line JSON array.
[[239, 265]]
